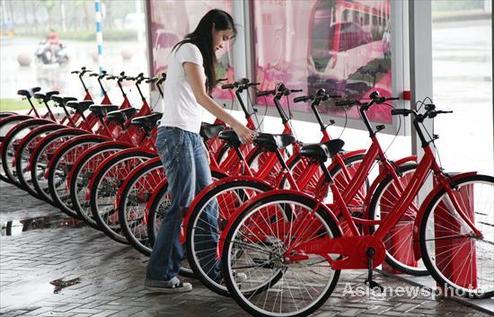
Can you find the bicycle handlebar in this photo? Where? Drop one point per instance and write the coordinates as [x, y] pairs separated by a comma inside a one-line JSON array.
[[302, 99], [81, 72], [281, 90], [241, 84], [321, 95], [346, 103]]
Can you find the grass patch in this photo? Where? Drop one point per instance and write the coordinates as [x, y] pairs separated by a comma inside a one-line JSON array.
[[13, 104], [108, 35]]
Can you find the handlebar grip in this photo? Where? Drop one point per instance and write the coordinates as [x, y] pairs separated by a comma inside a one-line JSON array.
[[393, 98], [400, 112], [228, 86], [74, 72], [296, 90], [264, 93], [346, 103], [301, 99], [93, 75]]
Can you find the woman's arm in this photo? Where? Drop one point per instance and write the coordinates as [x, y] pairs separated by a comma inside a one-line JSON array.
[[196, 78]]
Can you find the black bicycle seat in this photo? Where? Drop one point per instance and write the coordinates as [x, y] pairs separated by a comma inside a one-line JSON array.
[[209, 131], [230, 137], [147, 122], [102, 110], [80, 106], [121, 115], [273, 142]]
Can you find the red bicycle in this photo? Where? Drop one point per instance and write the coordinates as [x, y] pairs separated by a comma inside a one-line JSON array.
[[293, 263]]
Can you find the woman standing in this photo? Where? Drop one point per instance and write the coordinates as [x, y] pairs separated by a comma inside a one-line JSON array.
[[190, 80]]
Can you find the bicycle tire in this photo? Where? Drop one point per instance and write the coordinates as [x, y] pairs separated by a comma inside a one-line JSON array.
[[245, 294], [403, 229], [81, 171], [61, 165], [101, 183], [153, 224], [132, 212], [458, 239], [241, 190]]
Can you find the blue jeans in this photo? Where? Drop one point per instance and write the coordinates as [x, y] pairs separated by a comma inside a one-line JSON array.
[[187, 170]]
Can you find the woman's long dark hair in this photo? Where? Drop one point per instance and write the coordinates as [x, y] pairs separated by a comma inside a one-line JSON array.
[[202, 37]]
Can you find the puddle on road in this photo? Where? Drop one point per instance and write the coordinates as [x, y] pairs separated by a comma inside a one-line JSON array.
[[61, 284], [15, 227]]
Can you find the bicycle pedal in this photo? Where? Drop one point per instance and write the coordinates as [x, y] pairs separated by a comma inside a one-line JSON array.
[[374, 285]]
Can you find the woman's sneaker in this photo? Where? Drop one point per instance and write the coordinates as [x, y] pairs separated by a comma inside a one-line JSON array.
[[168, 287]]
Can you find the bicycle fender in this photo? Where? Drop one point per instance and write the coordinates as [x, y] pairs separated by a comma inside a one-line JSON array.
[[155, 193], [254, 200], [137, 151], [154, 161], [68, 144], [50, 137], [353, 153], [48, 127], [206, 190], [380, 178], [90, 150], [21, 125], [420, 214]]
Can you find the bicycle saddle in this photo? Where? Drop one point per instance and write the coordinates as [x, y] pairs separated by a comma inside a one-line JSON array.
[[45, 97], [28, 92], [62, 100], [80, 106], [102, 110], [322, 151], [122, 115], [230, 137], [209, 131], [273, 142], [147, 122]]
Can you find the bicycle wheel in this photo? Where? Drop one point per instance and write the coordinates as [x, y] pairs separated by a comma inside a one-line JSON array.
[[104, 186], [262, 246], [132, 212], [207, 220], [10, 144], [159, 207], [83, 169], [456, 257], [42, 155], [6, 124], [26, 148], [399, 241], [61, 165]]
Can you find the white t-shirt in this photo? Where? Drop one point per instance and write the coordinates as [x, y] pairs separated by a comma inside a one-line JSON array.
[[180, 108]]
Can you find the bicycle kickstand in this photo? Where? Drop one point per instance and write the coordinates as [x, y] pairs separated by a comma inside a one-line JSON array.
[[372, 284]]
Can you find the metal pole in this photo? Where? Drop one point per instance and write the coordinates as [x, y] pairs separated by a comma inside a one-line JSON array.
[[99, 33]]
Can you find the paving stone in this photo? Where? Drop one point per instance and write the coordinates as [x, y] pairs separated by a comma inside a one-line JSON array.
[[111, 277]]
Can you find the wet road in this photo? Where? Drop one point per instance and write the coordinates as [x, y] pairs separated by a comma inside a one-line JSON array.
[[51, 265]]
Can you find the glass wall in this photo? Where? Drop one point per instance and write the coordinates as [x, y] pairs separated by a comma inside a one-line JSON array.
[[462, 76], [342, 46], [25, 26], [171, 20]]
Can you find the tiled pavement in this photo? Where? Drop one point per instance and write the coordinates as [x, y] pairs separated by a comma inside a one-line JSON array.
[[111, 276]]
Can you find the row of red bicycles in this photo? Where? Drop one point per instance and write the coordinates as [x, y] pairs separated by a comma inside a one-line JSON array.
[[282, 218]]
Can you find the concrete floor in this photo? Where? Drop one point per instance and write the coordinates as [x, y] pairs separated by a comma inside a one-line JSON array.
[[40, 245]]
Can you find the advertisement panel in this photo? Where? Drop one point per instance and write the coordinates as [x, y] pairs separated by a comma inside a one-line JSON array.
[[342, 46], [171, 20]]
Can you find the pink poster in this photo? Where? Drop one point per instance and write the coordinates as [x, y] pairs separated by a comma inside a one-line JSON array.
[[171, 20], [342, 46]]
